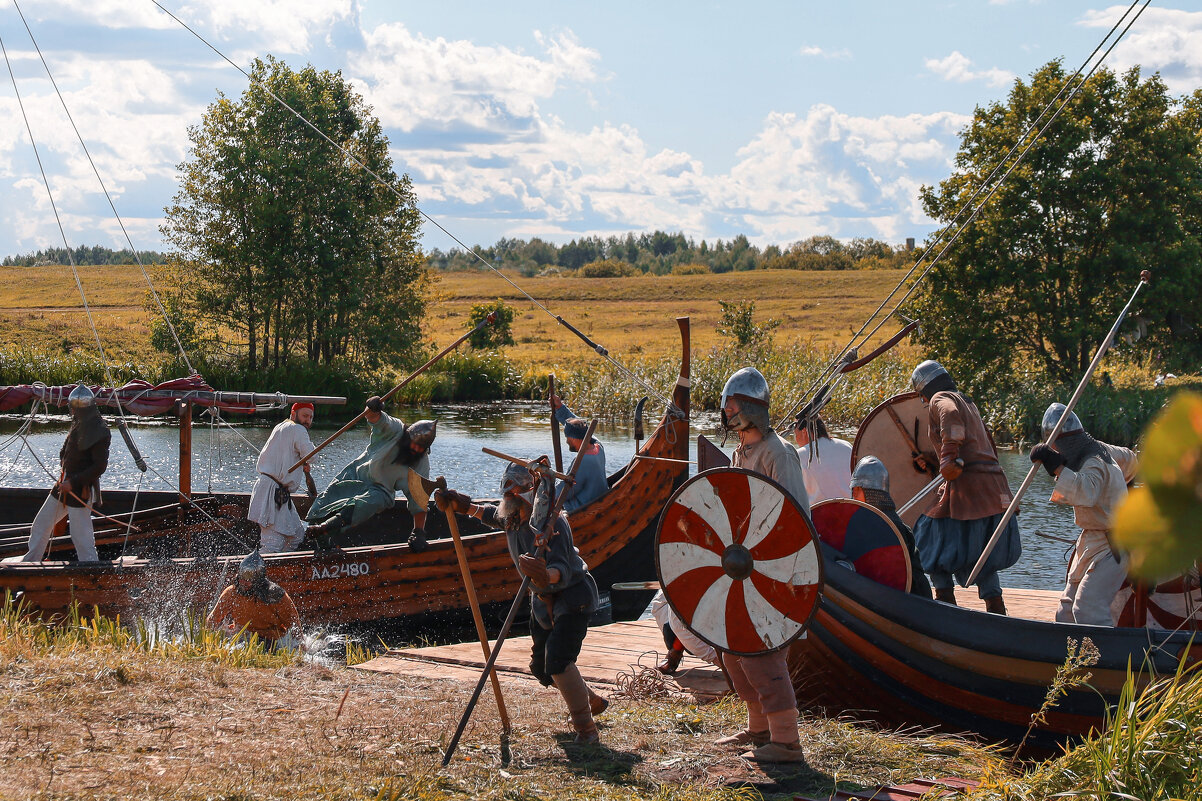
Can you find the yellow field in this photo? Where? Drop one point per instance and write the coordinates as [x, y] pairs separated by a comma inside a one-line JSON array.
[[40, 307]]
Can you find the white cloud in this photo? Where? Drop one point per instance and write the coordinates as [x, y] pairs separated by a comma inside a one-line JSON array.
[[958, 67], [1167, 40], [814, 50]]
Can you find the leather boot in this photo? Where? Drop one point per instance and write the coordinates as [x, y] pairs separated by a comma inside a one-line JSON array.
[[995, 606], [946, 594], [597, 703], [576, 695], [671, 662], [417, 540]]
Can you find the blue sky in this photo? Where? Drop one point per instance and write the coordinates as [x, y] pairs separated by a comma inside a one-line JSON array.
[[776, 120]]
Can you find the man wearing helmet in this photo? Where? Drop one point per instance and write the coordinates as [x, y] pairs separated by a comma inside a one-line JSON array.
[[255, 603], [591, 481], [763, 681], [563, 594], [83, 459], [1088, 478], [271, 506], [368, 485], [951, 535], [870, 485]]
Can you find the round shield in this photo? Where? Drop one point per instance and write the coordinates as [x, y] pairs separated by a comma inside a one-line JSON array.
[[738, 560], [895, 432], [867, 537]]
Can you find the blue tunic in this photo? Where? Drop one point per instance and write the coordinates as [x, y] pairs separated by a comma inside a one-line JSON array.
[[591, 479]]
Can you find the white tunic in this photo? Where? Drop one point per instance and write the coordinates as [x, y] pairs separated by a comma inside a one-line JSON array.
[[288, 442], [828, 474]]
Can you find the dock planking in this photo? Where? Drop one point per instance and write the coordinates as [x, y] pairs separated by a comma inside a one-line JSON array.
[[624, 647]]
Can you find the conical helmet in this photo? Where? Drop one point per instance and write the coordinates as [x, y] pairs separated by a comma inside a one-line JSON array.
[[253, 569], [749, 390], [871, 473], [81, 397], [925, 373], [423, 432], [1052, 416]]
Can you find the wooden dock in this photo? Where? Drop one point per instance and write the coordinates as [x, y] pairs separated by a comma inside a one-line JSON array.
[[618, 649]]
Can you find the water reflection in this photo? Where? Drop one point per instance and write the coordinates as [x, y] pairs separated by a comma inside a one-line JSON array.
[[223, 459]]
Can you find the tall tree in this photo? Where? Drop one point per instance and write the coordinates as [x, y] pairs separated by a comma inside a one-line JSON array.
[[285, 241], [1113, 186]]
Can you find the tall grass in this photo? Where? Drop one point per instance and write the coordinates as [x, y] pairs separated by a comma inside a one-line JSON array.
[[25, 634]]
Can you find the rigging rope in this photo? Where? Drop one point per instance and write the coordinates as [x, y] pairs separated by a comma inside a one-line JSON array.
[[836, 362], [598, 349]]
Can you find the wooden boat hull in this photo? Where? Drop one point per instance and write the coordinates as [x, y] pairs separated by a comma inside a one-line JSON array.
[[379, 577], [880, 654]]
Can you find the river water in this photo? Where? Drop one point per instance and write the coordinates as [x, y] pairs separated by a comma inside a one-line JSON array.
[[223, 459]]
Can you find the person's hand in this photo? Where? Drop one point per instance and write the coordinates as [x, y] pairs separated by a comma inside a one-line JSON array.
[[449, 498], [926, 462], [534, 568], [952, 470], [1049, 457], [556, 401], [374, 404]]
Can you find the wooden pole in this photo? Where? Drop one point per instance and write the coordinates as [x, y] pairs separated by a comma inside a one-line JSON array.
[[466, 573], [185, 449], [1144, 278], [491, 318], [558, 449]]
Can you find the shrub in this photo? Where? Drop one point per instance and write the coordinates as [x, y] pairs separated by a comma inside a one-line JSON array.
[[609, 268], [495, 335], [692, 268], [737, 323]]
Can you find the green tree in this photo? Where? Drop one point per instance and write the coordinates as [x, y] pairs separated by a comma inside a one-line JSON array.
[[738, 323], [286, 243], [1113, 186], [495, 335]]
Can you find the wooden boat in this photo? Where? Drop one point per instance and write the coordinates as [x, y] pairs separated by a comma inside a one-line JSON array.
[[877, 653], [377, 577]]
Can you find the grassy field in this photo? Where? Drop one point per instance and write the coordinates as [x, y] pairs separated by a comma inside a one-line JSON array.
[[40, 307]]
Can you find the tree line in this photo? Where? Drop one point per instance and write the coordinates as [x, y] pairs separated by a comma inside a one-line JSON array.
[[661, 253], [95, 254]]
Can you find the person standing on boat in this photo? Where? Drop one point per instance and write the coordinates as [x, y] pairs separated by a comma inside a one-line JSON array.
[[591, 480], [563, 594], [763, 681], [255, 603], [369, 484], [1089, 479], [951, 536], [870, 485], [83, 458], [825, 462], [271, 506]]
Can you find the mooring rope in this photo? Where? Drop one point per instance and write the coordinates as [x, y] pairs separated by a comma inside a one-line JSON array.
[[596, 348], [837, 361]]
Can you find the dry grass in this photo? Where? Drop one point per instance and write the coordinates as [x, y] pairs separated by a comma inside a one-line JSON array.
[[40, 308]]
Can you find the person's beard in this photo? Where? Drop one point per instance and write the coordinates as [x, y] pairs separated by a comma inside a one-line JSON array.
[[405, 454]]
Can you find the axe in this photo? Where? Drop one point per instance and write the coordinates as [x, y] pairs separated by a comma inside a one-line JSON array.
[[638, 423], [419, 488]]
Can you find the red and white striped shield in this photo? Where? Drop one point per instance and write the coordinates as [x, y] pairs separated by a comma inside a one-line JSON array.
[[738, 561]]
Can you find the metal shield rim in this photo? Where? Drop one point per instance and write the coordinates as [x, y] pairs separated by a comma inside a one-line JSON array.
[[893, 526], [814, 538]]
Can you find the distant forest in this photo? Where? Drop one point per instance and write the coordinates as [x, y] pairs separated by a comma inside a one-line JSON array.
[[662, 253], [96, 254], [658, 253]]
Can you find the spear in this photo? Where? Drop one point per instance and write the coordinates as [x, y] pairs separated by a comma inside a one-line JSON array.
[[1144, 277], [491, 318], [517, 602]]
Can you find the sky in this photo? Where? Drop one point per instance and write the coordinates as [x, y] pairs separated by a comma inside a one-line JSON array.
[[777, 120]]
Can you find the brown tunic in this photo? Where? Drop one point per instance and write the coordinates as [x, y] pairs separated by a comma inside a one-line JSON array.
[[958, 432]]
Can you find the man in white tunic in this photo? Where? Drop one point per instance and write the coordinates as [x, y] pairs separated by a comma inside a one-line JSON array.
[[271, 506], [1089, 480], [825, 461]]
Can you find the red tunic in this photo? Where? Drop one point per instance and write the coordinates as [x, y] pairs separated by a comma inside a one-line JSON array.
[[959, 433]]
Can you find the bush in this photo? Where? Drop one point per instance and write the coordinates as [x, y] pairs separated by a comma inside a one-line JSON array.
[[495, 335], [737, 323], [609, 268], [692, 268]]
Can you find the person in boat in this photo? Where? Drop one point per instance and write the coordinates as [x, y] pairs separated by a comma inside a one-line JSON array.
[[825, 461], [271, 506], [368, 485], [255, 604], [563, 594], [591, 479], [678, 638], [83, 459], [870, 485], [1089, 479], [952, 534], [763, 681]]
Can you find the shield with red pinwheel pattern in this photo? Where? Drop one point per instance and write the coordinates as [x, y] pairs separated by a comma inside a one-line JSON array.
[[738, 561], [867, 537]]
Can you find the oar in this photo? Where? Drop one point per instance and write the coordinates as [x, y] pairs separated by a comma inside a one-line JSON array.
[[466, 573], [491, 318], [568, 477], [517, 602], [555, 445], [1144, 277]]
